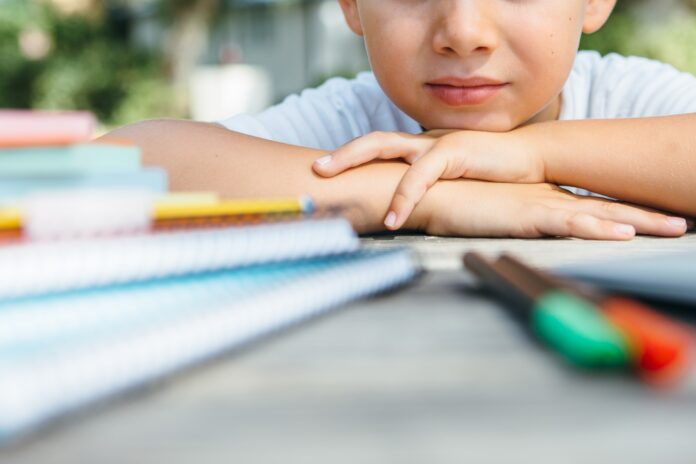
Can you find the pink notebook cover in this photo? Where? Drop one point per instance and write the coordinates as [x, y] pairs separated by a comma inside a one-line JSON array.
[[31, 128]]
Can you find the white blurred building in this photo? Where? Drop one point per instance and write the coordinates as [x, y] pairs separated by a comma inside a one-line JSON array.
[[283, 46]]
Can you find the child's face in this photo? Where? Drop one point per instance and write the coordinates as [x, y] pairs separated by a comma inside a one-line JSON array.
[[474, 64]]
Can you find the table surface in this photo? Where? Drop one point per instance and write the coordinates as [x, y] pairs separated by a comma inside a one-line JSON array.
[[431, 373]]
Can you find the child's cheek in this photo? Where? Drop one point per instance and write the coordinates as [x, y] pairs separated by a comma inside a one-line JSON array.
[[395, 44], [542, 46]]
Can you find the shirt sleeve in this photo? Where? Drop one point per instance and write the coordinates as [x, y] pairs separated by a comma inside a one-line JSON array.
[[634, 87], [310, 119], [328, 116]]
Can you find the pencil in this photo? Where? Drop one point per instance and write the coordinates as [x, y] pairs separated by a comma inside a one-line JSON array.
[[166, 210]]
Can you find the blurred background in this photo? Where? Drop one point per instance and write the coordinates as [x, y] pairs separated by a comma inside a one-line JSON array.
[[208, 59]]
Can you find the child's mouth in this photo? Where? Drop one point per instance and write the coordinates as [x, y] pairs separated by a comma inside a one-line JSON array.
[[464, 92]]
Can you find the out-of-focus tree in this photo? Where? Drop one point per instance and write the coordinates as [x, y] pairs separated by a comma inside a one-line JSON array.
[[664, 30], [77, 55]]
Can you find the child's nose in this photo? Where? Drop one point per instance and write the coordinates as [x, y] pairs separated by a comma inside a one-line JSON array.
[[466, 27]]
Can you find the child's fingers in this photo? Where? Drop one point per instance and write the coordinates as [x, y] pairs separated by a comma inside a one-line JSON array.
[[415, 182], [376, 145], [645, 220], [567, 223]]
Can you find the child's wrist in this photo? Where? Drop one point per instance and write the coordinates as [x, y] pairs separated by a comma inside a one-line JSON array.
[[533, 145], [435, 210], [422, 216]]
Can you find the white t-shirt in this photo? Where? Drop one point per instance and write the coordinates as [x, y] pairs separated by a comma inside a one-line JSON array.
[[342, 109]]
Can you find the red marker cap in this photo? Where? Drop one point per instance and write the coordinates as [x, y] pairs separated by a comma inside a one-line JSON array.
[[663, 347]]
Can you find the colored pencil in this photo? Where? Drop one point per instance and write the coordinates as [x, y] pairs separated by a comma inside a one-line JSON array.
[[168, 212]]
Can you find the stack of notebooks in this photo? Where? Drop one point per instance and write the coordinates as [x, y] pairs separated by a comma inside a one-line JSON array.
[[51, 151], [86, 316]]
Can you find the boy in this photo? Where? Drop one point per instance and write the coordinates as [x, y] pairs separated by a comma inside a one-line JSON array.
[[490, 95]]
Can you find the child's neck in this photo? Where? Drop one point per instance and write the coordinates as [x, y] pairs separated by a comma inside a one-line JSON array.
[[551, 113]]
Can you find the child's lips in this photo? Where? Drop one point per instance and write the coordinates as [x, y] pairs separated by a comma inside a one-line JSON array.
[[469, 94]]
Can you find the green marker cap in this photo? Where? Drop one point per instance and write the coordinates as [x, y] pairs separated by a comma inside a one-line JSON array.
[[579, 332]]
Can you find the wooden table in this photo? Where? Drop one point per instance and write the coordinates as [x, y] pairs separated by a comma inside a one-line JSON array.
[[433, 373]]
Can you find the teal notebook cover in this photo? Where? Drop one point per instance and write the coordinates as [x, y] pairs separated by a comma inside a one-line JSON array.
[[150, 179], [72, 160]]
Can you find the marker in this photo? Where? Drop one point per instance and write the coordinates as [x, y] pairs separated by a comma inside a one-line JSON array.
[[662, 349], [568, 324]]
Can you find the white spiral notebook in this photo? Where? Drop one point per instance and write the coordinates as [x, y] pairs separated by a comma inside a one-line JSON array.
[[62, 351], [37, 268]]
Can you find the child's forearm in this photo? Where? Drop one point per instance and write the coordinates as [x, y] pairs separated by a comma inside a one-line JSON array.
[[649, 161], [207, 157]]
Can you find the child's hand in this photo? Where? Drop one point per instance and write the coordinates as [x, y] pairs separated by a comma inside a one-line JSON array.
[[442, 154], [487, 209]]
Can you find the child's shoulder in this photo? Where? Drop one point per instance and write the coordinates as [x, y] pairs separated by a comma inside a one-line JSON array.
[[590, 62], [617, 86], [327, 116], [361, 94]]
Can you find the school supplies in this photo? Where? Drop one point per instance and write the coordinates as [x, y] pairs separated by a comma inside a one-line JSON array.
[[106, 288], [12, 190], [586, 325], [72, 160], [89, 212], [568, 324], [31, 268], [172, 210], [36, 128], [62, 352], [663, 350]]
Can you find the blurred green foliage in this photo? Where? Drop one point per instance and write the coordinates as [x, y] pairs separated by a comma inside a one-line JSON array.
[[671, 38], [88, 64]]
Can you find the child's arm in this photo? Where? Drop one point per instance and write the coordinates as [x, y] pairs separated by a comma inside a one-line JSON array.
[[648, 161], [207, 157]]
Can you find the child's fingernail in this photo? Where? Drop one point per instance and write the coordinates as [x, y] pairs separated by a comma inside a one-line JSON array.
[[676, 222], [390, 220], [324, 160], [625, 230]]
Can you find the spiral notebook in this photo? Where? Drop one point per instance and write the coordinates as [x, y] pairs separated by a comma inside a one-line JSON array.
[[81, 320], [37, 268], [61, 352]]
